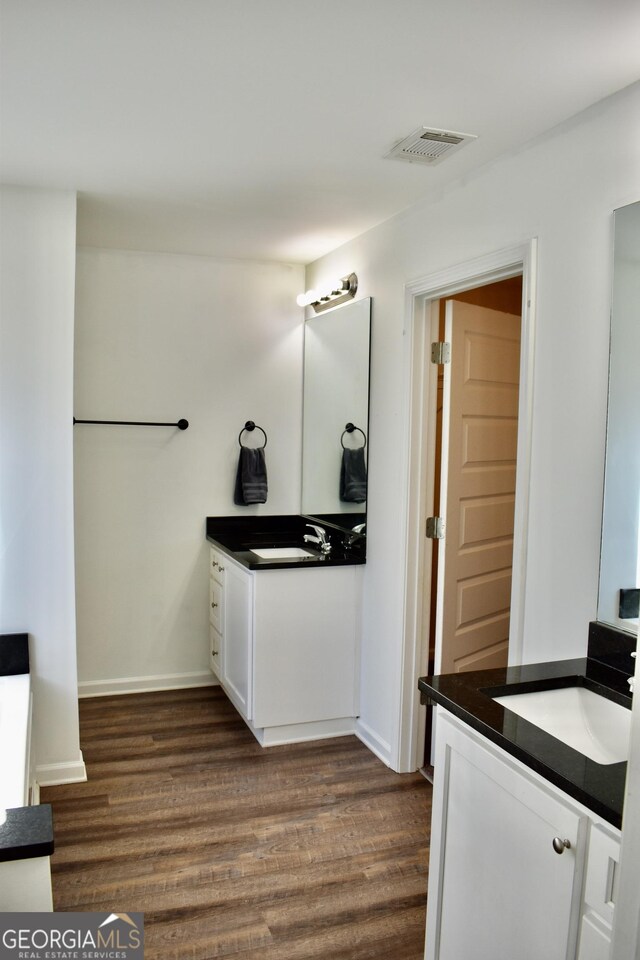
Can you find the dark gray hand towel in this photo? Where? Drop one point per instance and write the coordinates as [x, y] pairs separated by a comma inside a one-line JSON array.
[[251, 477], [353, 476]]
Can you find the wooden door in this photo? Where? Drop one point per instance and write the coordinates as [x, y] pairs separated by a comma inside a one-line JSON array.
[[480, 434]]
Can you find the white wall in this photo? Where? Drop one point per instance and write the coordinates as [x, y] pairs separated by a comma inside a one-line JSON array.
[[561, 189], [161, 337], [37, 257]]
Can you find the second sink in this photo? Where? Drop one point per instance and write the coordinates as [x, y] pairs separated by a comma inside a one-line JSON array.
[[590, 723], [281, 553]]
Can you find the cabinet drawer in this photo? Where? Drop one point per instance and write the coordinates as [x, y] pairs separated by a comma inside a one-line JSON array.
[[216, 595], [215, 649], [595, 940], [601, 886], [216, 565]]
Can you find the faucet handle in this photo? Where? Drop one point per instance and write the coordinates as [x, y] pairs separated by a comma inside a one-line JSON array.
[[631, 681]]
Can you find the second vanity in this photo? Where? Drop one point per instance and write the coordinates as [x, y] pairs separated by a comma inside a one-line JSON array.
[[284, 625], [526, 829]]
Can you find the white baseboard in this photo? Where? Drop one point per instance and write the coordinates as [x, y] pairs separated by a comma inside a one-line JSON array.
[[303, 732], [170, 681], [53, 774], [375, 743]]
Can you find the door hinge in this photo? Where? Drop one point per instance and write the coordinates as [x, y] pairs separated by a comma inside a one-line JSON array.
[[440, 352], [435, 528]]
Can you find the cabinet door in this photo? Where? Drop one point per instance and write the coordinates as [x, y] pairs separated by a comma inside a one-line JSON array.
[[497, 888], [237, 636], [306, 649]]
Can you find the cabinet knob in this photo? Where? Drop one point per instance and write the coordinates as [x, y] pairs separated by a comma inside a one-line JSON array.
[[213, 605], [220, 568], [560, 845]]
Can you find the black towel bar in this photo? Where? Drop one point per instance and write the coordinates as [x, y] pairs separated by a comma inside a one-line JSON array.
[[181, 424]]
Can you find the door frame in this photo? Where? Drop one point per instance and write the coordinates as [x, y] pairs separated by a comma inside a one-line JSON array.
[[421, 379]]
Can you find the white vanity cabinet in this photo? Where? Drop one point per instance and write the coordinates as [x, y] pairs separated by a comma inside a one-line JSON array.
[[289, 647], [498, 888]]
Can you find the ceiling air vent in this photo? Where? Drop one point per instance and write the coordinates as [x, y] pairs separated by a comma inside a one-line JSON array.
[[426, 145]]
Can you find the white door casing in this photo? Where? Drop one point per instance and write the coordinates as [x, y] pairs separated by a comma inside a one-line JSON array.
[[419, 465]]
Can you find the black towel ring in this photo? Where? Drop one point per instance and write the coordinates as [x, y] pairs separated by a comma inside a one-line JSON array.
[[349, 428], [250, 425]]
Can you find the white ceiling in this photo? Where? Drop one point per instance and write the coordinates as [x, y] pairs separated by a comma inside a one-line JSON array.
[[258, 128]]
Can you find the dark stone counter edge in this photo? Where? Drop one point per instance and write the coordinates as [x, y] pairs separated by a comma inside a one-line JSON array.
[[28, 831], [468, 696], [234, 536]]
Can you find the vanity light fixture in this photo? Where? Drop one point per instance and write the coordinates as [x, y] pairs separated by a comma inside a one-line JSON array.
[[331, 295]]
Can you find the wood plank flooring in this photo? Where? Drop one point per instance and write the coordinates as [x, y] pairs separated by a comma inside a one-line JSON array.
[[303, 852]]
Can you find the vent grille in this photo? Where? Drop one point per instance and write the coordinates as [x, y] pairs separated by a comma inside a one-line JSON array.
[[426, 145]]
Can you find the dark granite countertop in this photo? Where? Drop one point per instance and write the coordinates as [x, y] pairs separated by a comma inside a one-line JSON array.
[[235, 536], [27, 832], [600, 787]]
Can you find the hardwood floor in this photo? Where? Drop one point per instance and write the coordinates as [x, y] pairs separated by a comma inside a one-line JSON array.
[[298, 852]]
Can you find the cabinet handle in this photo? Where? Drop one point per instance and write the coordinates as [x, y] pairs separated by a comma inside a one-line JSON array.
[[221, 569], [214, 605], [560, 845]]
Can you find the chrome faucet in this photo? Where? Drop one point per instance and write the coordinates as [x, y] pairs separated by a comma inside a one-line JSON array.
[[320, 538], [354, 534]]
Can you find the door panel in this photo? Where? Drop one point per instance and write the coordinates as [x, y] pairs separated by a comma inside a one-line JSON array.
[[487, 440], [480, 597], [486, 519], [478, 486]]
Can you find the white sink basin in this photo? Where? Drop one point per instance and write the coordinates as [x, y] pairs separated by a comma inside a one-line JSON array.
[[584, 720], [282, 553]]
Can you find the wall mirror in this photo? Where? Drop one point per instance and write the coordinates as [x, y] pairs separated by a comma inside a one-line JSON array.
[[620, 551], [336, 398]]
